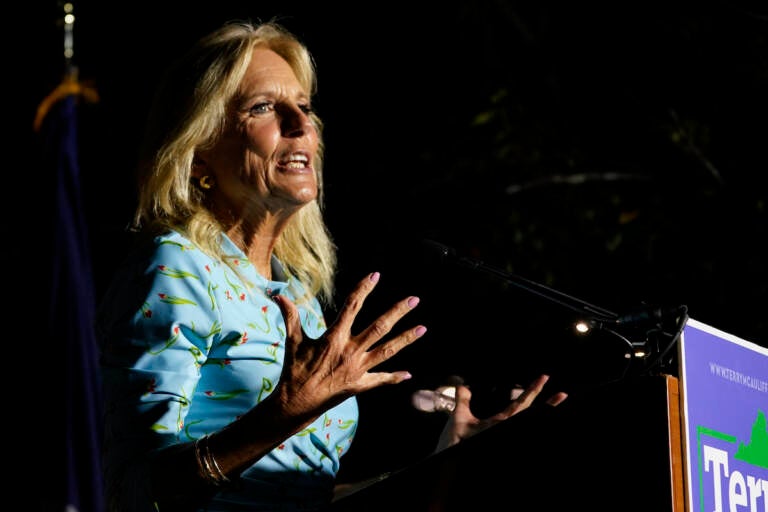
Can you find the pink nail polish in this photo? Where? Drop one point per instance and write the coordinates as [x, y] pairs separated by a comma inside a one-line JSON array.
[[413, 301], [374, 277]]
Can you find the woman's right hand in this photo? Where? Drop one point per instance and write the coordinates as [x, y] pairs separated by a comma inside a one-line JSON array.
[[321, 373]]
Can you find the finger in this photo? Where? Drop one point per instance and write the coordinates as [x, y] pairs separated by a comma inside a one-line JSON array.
[[375, 379], [386, 350], [354, 301], [533, 390], [526, 398], [293, 332], [384, 324], [463, 396], [557, 398]]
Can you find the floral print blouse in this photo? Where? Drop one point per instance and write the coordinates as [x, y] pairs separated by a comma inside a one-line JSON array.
[[188, 344]]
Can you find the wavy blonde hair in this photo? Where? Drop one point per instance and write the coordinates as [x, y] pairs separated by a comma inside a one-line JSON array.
[[189, 113]]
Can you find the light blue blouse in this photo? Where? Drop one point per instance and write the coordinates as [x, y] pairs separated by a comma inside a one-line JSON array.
[[188, 345]]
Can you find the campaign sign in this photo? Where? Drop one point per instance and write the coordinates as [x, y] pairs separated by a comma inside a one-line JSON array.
[[725, 401]]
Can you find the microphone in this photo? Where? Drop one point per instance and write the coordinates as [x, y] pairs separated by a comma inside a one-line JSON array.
[[436, 248], [447, 254]]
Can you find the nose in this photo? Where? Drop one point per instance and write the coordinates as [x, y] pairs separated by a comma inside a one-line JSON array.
[[295, 122]]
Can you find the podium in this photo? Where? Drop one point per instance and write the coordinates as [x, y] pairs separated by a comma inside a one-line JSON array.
[[615, 448]]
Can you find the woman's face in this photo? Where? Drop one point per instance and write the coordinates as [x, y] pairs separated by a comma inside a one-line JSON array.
[[263, 162]]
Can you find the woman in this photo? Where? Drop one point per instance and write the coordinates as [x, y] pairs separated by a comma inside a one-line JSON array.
[[225, 389]]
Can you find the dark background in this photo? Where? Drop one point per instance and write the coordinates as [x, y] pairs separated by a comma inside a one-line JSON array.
[[615, 153]]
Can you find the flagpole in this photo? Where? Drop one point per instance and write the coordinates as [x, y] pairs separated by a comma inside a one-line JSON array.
[[71, 355], [70, 84]]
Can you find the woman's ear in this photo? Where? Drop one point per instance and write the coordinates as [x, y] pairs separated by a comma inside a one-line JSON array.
[[199, 166]]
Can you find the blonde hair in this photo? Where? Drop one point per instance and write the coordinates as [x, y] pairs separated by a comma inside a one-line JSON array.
[[189, 113]]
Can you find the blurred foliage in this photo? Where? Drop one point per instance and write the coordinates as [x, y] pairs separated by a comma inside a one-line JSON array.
[[616, 156], [613, 153]]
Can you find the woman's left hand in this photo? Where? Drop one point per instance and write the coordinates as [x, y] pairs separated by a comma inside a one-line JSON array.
[[463, 424]]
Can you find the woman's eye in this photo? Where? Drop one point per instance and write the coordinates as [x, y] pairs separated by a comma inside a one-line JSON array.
[[261, 108], [307, 109]]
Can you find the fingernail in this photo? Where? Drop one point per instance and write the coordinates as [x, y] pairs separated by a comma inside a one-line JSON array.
[[413, 301], [420, 330], [374, 277]]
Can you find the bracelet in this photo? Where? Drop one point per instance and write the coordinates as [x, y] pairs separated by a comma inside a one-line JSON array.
[[208, 465]]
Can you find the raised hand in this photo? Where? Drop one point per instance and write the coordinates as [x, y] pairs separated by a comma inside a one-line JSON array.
[[320, 373], [463, 424]]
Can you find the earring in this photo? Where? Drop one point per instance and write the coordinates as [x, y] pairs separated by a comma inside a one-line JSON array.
[[207, 182]]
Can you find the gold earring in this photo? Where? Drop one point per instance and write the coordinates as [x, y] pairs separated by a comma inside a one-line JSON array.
[[206, 182]]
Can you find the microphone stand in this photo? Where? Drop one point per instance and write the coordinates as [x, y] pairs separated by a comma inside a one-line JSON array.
[[648, 325]]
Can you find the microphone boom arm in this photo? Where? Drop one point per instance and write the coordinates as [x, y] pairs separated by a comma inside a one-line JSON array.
[[594, 312], [649, 320]]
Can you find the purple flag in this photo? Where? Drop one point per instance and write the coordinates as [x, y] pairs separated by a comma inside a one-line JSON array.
[[71, 316]]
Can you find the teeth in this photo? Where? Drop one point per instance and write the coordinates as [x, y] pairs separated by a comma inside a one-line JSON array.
[[295, 161]]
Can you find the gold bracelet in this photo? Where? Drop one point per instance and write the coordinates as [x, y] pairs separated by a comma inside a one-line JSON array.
[[207, 464], [199, 460], [210, 461]]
